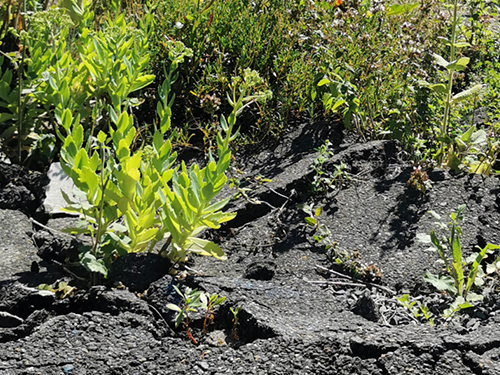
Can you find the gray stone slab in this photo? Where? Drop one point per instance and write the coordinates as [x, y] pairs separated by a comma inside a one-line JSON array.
[[59, 181], [17, 251]]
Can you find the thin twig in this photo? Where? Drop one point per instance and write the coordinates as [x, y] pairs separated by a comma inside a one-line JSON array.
[[366, 283], [334, 283], [50, 229]]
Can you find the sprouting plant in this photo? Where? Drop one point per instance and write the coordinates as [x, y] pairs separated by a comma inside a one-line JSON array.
[[457, 281], [320, 233], [455, 64], [324, 180], [421, 311], [191, 301], [235, 311], [61, 289], [209, 302]]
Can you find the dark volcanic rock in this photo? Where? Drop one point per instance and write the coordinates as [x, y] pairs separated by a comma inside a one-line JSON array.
[[20, 189], [367, 308], [138, 270], [292, 318], [8, 320], [260, 270]]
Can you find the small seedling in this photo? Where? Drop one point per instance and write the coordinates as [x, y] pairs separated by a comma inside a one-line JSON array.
[[323, 180], [320, 233], [192, 301], [418, 312], [235, 312], [61, 289], [209, 302]]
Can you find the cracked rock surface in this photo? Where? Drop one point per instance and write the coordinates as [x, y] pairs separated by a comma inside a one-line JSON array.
[[293, 319]]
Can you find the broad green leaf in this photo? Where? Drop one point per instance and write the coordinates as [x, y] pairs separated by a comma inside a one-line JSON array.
[[441, 61], [466, 136], [439, 88], [171, 306], [458, 65], [89, 177], [323, 82], [311, 221], [91, 264], [101, 137], [399, 9], [66, 120], [142, 82], [479, 138], [216, 206], [441, 283], [466, 93], [6, 117], [207, 248]]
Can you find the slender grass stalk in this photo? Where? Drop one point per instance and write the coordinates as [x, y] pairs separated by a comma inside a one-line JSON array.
[[446, 116]]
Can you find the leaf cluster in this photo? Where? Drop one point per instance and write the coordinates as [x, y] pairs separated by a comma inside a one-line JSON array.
[[458, 280]]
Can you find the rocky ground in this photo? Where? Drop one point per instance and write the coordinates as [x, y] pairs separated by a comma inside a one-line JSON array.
[[297, 315]]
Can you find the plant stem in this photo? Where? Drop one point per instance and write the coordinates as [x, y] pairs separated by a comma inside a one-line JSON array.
[[19, 105], [444, 128]]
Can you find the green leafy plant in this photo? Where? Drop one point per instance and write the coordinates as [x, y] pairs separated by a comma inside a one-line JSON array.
[[209, 302], [419, 312], [71, 65], [320, 232], [340, 94], [194, 300], [456, 282], [325, 181], [455, 64], [191, 301], [61, 289], [135, 198], [235, 311]]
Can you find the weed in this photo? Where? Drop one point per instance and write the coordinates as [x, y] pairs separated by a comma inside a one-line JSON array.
[[456, 282], [323, 180], [350, 263], [419, 180], [61, 289], [209, 302], [419, 312], [235, 311], [456, 64], [192, 301], [320, 233]]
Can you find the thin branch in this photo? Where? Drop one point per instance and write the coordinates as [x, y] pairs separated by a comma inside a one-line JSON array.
[[365, 283]]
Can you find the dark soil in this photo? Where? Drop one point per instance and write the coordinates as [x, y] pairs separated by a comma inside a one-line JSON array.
[[295, 317]]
